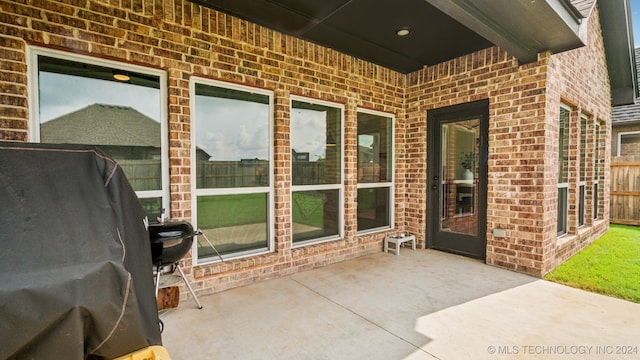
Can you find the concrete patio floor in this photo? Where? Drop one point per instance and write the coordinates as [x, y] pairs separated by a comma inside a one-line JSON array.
[[422, 304]]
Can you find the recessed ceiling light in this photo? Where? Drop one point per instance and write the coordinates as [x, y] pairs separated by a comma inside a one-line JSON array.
[[121, 75], [403, 31]]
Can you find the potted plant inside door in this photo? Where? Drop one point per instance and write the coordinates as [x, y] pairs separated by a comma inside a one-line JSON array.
[[468, 162]]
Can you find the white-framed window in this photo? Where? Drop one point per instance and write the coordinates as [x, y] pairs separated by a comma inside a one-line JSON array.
[[563, 169], [582, 181], [597, 168], [317, 200], [232, 167], [118, 107], [628, 143], [375, 171]]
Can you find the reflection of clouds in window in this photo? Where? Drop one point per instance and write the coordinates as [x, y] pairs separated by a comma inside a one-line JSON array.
[[308, 132], [365, 140], [231, 130], [62, 94]]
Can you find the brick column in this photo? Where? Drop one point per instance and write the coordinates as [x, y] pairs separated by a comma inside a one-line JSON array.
[[350, 180], [179, 144], [282, 175]]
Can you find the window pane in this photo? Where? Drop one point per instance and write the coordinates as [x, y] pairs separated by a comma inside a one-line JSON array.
[[563, 147], [562, 211], [581, 206], [373, 208], [583, 146], [232, 138], [153, 207], [374, 148], [629, 144], [596, 167], [315, 214], [596, 155], [232, 223], [595, 201], [315, 144], [83, 104]]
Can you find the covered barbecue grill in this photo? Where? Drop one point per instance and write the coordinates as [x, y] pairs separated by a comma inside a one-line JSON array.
[[76, 278]]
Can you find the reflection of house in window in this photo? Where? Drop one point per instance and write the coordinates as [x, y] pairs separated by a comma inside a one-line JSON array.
[[299, 156], [120, 131], [365, 154]]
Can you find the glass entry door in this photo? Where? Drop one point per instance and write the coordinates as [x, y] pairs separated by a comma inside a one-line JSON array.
[[457, 179]]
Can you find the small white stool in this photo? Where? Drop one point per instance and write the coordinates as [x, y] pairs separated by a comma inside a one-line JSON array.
[[398, 241]]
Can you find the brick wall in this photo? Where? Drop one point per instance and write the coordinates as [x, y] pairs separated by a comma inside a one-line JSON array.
[[524, 103], [579, 79], [188, 40], [516, 146]]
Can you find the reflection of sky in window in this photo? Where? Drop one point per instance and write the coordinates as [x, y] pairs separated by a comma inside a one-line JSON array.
[[62, 94], [308, 132], [231, 130], [365, 140]]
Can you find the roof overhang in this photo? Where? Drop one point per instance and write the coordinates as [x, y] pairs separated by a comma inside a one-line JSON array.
[[441, 30], [617, 32], [522, 28], [617, 124]]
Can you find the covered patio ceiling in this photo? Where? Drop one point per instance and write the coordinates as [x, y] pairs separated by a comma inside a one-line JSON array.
[[440, 30]]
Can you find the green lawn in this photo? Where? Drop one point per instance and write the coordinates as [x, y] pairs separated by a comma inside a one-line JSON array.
[[609, 266], [231, 210], [307, 208]]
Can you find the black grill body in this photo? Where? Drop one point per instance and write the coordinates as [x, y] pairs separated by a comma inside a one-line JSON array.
[[170, 241]]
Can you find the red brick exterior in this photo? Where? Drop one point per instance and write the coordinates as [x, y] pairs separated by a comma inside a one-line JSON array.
[[185, 40]]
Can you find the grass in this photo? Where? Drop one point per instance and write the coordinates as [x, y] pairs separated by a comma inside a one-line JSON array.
[[231, 210], [307, 208], [610, 266]]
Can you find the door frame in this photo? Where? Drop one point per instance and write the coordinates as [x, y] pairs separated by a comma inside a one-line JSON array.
[[472, 110]]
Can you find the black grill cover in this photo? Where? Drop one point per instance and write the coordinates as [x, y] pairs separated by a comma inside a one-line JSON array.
[[76, 276]]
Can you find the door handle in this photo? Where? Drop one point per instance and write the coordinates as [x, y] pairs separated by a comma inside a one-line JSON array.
[[434, 187]]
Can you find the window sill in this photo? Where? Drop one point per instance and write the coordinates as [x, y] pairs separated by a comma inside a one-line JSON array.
[[374, 231], [314, 241], [227, 257], [565, 239]]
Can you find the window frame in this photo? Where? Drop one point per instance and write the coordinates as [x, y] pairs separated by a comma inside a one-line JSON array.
[[582, 173], [269, 190], [563, 187], [620, 134], [33, 54], [337, 186], [597, 169], [387, 184]]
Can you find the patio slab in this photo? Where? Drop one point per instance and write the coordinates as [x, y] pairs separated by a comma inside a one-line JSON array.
[[422, 304]]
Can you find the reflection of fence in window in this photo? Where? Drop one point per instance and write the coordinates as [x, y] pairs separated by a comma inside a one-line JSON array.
[[232, 174], [368, 172], [143, 174], [310, 173]]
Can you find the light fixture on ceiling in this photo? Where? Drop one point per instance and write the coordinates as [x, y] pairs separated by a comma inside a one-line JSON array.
[[403, 31], [121, 75]]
